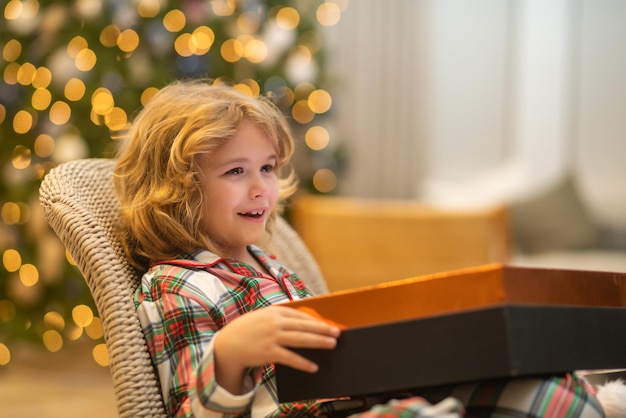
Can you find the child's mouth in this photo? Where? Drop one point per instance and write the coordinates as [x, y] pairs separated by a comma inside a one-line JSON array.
[[253, 214]]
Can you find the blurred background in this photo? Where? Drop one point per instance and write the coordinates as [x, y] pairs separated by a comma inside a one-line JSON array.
[[460, 105]]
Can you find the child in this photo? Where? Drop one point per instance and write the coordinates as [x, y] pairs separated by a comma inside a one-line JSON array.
[[200, 181]]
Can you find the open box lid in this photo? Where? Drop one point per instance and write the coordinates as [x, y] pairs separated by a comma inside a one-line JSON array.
[[471, 288]]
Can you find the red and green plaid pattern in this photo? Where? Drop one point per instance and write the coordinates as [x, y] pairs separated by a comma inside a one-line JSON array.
[[567, 396], [183, 303]]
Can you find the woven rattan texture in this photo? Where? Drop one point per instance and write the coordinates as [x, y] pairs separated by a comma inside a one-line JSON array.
[[81, 207]]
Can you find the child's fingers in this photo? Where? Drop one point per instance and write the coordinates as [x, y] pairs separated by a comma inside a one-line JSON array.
[[302, 339], [292, 359], [312, 312], [302, 320], [312, 326]]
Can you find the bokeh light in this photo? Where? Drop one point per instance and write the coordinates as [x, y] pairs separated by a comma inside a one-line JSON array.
[[21, 157], [86, 59], [41, 99], [10, 73], [42, 78], [60, 113], [317, 138], [328, 13], [77, 44], [128, 40], [23, 122], [5, 355], [232, 50], [325, 180], [44, 145], [109, 36], [102, 101], [74, 332], [101, 355], [82, 315], [54, 320], [74, 89], [174, 20], [11, 258], [26, 74], [301, 112], [52, 340], [12, 50], [29, 275], [320, 101], [94, 329], [148, 8], [287, 18]]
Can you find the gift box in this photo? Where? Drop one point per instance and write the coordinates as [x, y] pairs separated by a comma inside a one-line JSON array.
[[480, 323]]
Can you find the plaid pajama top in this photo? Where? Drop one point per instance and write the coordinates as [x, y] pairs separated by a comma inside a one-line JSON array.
[[183, 303]]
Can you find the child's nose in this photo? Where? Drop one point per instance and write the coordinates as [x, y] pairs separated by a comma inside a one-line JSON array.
[[258, 188]]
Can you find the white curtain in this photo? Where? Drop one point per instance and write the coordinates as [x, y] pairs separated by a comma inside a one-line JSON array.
[[380, 88]]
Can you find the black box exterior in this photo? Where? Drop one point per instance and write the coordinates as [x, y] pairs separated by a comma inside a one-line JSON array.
[[503, 341]]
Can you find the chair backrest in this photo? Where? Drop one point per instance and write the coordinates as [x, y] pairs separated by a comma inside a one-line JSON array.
[[81, 207]]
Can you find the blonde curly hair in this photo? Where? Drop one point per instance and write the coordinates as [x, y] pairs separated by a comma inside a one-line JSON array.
[[157, 176]]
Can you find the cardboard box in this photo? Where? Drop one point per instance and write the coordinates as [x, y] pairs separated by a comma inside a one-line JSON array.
[[487, 322]]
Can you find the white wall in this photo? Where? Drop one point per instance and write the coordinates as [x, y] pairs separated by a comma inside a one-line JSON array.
[[471, 101], [601, 111], [468, 56]]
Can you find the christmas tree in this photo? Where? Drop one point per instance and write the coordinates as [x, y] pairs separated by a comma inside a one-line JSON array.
[[73, 74]]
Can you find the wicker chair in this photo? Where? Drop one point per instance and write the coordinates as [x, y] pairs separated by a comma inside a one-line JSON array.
[[81, 207]]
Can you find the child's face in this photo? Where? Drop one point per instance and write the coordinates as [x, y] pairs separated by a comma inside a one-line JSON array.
[[241, 188]]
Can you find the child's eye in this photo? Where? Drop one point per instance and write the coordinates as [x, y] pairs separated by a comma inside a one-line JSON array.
[[235, 171], [267, 168]]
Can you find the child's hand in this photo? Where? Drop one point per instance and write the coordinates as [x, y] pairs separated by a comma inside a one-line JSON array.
[[266, 336]]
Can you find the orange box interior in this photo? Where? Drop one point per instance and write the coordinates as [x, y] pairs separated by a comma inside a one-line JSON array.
[[465, 289]]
